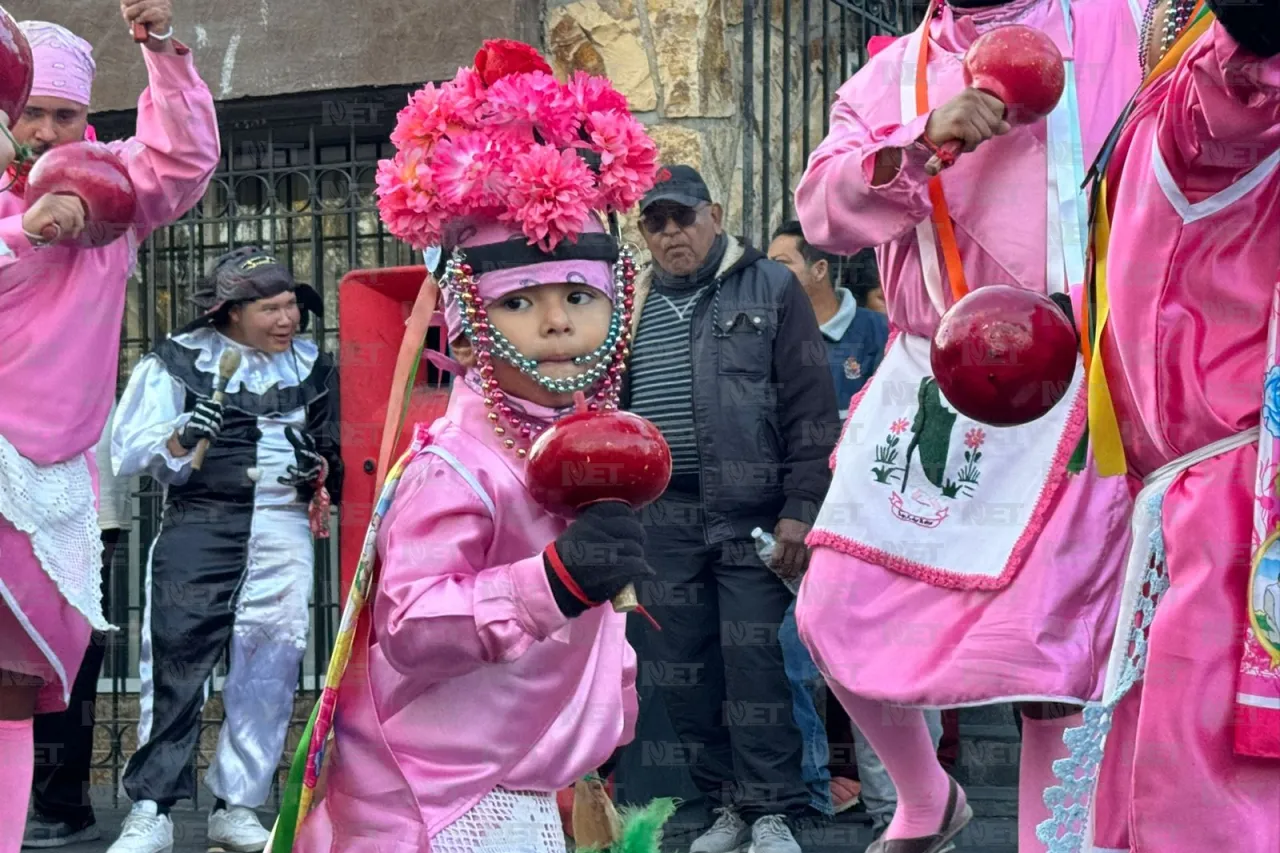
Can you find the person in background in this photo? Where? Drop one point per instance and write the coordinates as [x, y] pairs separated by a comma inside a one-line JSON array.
[[231, 570], [727, 361], [855, 338], [62, 813]]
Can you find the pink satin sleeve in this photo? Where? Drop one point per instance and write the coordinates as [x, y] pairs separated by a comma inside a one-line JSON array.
[[16, 246], [1221, 117], [441, 610], [176, 146], [839, 208]]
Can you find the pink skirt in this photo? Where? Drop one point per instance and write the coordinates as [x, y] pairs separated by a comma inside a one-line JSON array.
[[40, 633], [1171, 781], [1045, 637]]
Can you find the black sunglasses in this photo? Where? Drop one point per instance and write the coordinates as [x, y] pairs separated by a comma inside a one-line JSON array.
[[655, 219]]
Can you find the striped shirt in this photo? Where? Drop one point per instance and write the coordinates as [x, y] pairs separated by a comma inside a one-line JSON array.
[[662, 371]]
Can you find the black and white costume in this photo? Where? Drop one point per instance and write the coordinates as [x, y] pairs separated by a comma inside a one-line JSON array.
[[234, 559]]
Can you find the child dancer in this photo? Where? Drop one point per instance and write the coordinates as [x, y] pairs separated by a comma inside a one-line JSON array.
[[490, 676]]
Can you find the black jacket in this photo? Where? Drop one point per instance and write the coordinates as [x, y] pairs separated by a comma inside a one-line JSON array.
[[764, 407]]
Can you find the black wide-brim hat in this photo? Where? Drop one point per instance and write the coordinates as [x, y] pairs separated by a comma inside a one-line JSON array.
[[246, 275]]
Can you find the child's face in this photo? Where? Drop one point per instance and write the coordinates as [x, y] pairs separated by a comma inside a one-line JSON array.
[[552, 324]]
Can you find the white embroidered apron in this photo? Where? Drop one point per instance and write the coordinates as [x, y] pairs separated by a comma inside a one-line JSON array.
[[920, 488]]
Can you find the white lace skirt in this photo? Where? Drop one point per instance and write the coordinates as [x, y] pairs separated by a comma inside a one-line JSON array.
[[505, 822], [55, 507]]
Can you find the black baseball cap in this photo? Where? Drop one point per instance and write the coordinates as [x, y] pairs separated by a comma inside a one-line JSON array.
[[678, 185]]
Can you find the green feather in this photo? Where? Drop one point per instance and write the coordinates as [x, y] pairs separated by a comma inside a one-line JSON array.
[[642, 827]]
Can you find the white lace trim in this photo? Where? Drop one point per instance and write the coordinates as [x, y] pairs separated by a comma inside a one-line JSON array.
[[54, 506], [505, 822], [259, 372]]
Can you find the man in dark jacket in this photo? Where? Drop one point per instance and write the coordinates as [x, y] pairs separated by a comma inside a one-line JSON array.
[[729, 362]]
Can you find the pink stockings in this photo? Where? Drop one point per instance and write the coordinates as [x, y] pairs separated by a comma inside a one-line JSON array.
[[900, 737], [17, 761]]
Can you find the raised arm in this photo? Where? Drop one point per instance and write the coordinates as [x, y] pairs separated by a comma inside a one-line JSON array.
[[176, 147], [150, 412]]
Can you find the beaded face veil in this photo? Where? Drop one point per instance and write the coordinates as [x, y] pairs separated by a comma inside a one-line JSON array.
[[516, 178]]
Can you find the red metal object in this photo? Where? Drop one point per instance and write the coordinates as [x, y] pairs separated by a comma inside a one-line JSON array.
[[141, 32], [1004, 356], [373, 305], [17, 68], [92, 173], [1022, 67]]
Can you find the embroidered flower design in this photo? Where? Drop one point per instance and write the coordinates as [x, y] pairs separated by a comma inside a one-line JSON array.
[[974, 438], [899, 426], [1271, 401], [852, 369]]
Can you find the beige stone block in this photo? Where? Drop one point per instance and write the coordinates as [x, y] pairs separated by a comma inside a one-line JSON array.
[[694, 65], [603, 37]]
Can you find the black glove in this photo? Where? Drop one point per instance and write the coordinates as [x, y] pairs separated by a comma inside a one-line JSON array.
[[309, 462], [1255, 25], [206, 422], [601, 552], [1063, 301]]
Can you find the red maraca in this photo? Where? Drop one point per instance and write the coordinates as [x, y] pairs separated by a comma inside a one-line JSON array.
[[89, 171], [1004, 356], [1019, 65], [17, 69], [589, 457]]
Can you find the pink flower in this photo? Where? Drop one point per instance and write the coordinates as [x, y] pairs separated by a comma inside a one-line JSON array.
[[899, 426], [419, 123], [628, 158], [469, 173], [550, 194], [974, 438], [537, 101], [411, 213], [596, 94]]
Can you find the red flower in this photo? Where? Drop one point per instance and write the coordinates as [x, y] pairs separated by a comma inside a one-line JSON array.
[[974, 438], [498, 58], [899, 426]]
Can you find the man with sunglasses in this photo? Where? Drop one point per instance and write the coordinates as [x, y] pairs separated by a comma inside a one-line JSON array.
[[729, 362]]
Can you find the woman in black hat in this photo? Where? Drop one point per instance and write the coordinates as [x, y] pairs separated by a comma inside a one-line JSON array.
[[232, 565]]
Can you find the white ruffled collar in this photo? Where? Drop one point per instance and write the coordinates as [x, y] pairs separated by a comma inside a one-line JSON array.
[[259, 371]]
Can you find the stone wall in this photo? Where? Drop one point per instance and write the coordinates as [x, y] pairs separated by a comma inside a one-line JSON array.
[[680, 64]]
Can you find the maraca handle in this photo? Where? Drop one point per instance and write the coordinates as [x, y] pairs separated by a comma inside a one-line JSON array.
[[626, 601], [140, 32], [944, 156]]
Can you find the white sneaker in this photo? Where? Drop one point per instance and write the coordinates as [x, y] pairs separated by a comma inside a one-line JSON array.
[[729, 834], [236, 830], [145, 830]]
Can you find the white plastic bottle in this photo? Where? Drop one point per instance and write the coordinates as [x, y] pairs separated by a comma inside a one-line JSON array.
[[765, 546]]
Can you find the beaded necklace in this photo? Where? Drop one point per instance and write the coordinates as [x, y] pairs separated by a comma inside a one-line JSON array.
[[516, 429], [1176, 15]]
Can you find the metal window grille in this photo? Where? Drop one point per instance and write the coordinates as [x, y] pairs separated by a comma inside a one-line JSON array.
[[797, 54]]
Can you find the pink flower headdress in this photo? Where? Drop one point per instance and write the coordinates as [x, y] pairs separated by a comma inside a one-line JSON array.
[[506, 141]]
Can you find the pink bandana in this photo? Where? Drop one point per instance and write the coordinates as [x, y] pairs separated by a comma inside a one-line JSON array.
[[64, 62], [497, 284]]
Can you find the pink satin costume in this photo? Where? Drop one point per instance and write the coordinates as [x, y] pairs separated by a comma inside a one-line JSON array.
[[875, 632], [1192, 272], [473, 679], [60, 315]]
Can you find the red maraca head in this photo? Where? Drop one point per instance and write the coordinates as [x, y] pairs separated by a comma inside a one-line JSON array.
[[1004, 356], [1022, 67], [588, 457], [17, 68], [90, 171]]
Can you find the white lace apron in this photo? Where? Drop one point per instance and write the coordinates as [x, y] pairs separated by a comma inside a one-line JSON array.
[[54, 506], [505, 822], [960, 504], [1071, 802]]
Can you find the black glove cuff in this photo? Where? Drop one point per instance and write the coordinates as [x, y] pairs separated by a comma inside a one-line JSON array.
[[570, 605]]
